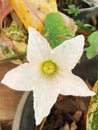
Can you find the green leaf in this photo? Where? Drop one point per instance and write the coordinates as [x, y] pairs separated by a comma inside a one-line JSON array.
[[72, 9], [87, 27], [55, 30], [92, 50]]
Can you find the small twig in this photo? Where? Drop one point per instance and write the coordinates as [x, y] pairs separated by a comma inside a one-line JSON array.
[[88, 84], [42, 124]]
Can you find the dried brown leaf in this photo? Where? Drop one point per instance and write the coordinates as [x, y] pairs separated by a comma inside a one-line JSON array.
[[77, 116], [5, 8], [66, 127], [73, 126]]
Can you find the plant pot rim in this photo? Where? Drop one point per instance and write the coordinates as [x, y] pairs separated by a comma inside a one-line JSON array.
[[17, 118], [85, 9], [84, 15]]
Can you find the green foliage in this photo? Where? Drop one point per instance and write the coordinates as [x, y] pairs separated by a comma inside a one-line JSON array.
[[92, 50], [55, 31], [87, 27], [72, 9]]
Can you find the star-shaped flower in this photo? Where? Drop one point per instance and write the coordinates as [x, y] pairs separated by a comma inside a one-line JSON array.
[[48, 72]]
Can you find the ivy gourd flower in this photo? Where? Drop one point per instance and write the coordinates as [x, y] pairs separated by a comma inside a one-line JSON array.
[[48, 72]]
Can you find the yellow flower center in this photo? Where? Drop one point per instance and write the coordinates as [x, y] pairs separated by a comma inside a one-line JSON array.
[[49, 67]]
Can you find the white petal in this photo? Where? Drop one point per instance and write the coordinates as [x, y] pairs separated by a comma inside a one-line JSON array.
[[69, 52], [21, 78], [73, 85], [38, 47], [44, 98]]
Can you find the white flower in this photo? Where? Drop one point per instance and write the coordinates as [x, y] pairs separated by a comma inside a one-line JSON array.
[[48, 72]]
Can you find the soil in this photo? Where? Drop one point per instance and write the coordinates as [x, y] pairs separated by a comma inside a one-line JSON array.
[[69, 113]]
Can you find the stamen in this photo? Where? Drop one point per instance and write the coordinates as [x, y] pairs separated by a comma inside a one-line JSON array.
[[49, 67]]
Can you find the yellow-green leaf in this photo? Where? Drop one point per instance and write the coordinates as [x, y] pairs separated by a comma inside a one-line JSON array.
[[92, 115]]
